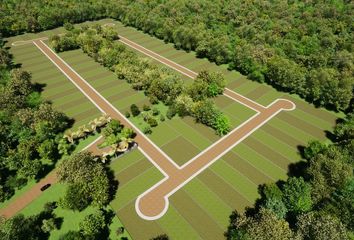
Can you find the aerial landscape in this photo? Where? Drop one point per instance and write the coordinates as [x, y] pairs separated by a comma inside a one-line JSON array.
[[176, 119]]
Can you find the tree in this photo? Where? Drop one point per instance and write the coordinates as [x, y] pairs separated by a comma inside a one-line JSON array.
[[341, 205], [152, 122], [146, 108], [47, 149], [155, 111], [317, 225], [113, 127], [286, 74], [88, 177], [264, 225], [135, 110], [147, 130], [276, 206], [75, 197], [20, 227], [345, 131], [297, 195], [215, 82], [329, 171], [184, 105], [93, 225], [68, 26], [313, 149], [48, 225]]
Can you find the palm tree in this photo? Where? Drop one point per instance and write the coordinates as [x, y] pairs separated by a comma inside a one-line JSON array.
[[99, 121], [104, 157], [124, 144], [93, 125], [80, 132], [87, 129], [105, 118], [69, 136]]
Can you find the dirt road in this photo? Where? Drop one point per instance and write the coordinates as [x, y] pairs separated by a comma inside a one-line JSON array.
[[22, 201]]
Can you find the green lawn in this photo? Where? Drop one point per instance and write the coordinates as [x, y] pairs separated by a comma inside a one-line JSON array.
[[199, 210]]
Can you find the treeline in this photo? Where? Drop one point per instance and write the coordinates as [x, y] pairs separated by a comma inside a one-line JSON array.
[[316, 202], [159, 84], [303, 47], [18, 16], [30, 129]]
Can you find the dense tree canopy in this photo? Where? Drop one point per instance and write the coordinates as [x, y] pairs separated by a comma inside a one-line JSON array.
[[17, 16], [30, 129], [303, 47], [159, 84], [88, 182]]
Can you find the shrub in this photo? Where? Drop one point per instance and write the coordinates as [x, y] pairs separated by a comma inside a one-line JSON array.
[[162, 118], [120, 231], [147, 130], [135, 110], [155, 111], [146, 107], [152, 122], [127, 114], [171, 112]]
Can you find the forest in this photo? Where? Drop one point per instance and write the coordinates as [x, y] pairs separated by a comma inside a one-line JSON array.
[[30, 129], [303, 47]]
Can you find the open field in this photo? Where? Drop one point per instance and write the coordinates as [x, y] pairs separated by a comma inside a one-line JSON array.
[[230, 183]]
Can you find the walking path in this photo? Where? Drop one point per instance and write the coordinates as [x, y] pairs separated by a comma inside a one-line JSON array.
[[153, 203]]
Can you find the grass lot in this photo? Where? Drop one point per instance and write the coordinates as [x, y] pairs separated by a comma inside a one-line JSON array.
[[70, 219], [200, 209], [168, 133], [56, 87]]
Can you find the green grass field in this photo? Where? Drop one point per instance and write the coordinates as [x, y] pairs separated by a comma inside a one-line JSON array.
[[199, 210]]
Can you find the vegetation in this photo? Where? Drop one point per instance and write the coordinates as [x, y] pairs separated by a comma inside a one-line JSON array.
[[30, 129], [117, 137], [33, 227], [303, 47], [17, 17], [89, 182], [159, 84], [316, 204], [93, 226], [300, 47]]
